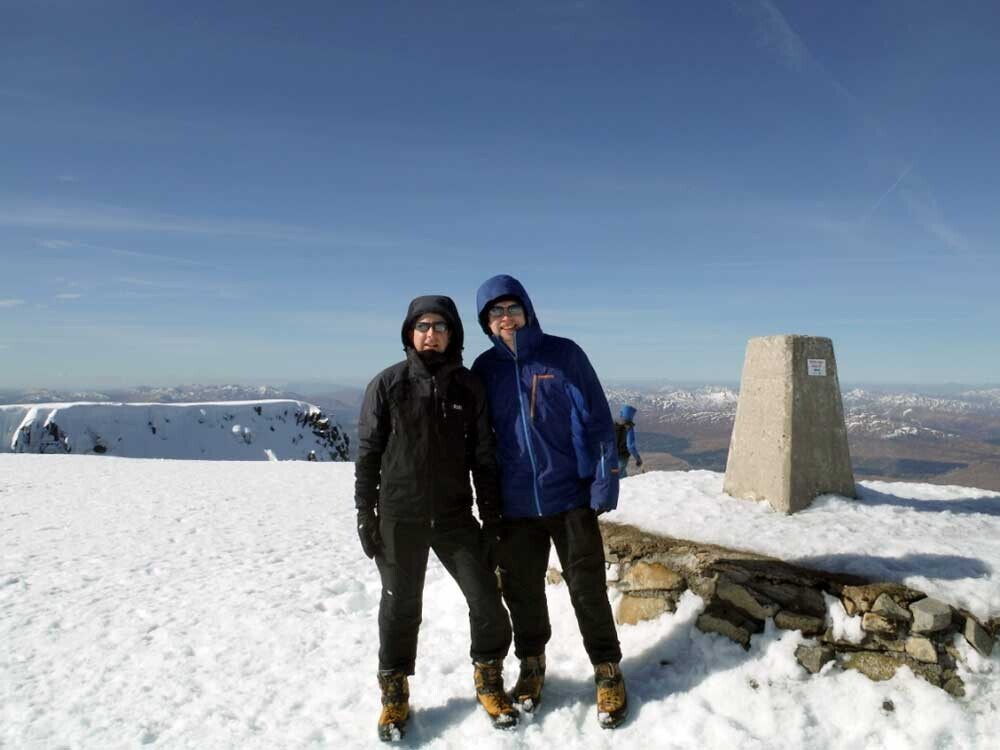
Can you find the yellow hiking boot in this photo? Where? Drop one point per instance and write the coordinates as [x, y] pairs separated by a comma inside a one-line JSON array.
[[527, 693], [612, 702], [489, 689], [395, 706]]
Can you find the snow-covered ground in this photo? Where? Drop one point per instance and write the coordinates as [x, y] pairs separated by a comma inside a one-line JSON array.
[[943, 540], [221, 604]]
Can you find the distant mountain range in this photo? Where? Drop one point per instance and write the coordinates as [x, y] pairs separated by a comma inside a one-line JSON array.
[[149, 394], [868, 412], [948, 437]]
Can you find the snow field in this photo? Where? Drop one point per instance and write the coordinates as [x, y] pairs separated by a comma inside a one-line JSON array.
[[221, 604], [943, 540]]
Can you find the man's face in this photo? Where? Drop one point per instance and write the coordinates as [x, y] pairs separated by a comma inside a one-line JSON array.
[[505, 317], [431, 339]]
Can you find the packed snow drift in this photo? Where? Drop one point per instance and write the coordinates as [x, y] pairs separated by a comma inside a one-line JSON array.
[[220, 604]]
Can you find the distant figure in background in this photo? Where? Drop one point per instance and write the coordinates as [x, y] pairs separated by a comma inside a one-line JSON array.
[[625, 436], [424, 426]]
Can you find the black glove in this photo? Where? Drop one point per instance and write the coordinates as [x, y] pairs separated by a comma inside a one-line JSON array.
[[638, 462], [368, 533], [491, 543]]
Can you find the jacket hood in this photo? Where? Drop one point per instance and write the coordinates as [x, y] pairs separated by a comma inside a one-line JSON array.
[[443, 306], [627, 413], [503, 286]]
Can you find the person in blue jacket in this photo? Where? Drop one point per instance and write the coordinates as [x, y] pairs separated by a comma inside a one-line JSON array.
[[625, 440], [558, 470]]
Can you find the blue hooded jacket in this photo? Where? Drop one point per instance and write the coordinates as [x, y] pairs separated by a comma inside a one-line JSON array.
[[627, 414], [555, 435]]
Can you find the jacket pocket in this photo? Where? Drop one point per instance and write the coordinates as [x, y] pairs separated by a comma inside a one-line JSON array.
[[534, 390]]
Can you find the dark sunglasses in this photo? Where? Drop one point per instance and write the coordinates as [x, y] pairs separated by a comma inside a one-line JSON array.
[[423, 326], [498, 311]]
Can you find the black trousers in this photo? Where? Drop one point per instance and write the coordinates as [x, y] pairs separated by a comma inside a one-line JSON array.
[[402, 566], [524, 558]]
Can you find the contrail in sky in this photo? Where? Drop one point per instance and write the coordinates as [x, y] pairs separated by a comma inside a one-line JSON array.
[[873, 209]]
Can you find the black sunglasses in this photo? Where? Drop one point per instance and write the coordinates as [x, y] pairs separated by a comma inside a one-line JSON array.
[[423, 326], [498, 311]]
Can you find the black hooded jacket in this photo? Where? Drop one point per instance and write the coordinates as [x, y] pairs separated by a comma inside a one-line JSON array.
[[424, 426]]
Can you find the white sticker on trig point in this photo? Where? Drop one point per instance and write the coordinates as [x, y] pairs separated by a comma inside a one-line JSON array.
[[816, 366]]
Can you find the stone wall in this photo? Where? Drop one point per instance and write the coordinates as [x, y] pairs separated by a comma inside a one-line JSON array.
[[900, 626]]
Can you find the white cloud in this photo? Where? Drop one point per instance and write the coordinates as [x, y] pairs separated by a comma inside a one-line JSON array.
[[66, 244], [11, 302], [923, 208], [123, 220], [948, 235], [151, 256], [775, 33], [68, 296], [902, 175]]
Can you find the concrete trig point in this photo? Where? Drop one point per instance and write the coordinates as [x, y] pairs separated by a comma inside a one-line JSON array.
[[789, 442]]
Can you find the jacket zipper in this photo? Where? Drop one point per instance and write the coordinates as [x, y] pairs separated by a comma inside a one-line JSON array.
[[524, 423], [434, 417]]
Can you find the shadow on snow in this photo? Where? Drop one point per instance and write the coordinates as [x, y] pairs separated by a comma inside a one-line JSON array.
[[941, 567], [983, 505]]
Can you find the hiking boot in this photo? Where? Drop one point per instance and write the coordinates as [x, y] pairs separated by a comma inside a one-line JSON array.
[[489, 690], [395, 706], [527, 693], [612, 703]]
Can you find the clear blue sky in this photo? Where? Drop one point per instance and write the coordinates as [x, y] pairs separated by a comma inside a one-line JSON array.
[[215, 191]]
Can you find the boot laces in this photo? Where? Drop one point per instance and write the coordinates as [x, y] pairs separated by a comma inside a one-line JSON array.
[[394, 689], [532, 666], [489, 677], [610, 687]]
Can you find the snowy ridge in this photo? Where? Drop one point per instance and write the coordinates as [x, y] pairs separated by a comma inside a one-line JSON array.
[[986, 395], [970, 402], [48, 396], [157, 394], [190, 393], [710, 404], [879, 425], [884, 415], [230, 431]]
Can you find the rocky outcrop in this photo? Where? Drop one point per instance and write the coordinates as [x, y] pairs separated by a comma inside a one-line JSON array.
[[899, 626]]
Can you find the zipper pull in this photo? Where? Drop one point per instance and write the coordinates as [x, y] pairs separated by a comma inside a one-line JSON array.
[[437, 401]]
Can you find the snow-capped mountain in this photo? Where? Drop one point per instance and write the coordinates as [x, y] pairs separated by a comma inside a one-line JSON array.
[[230, 431], [872, 424], [868, 413], [154, 394], [708, 404], [49, 396], [981, 401], [188, 393]]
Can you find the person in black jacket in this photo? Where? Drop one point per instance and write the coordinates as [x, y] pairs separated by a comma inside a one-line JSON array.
[[424, 426]]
